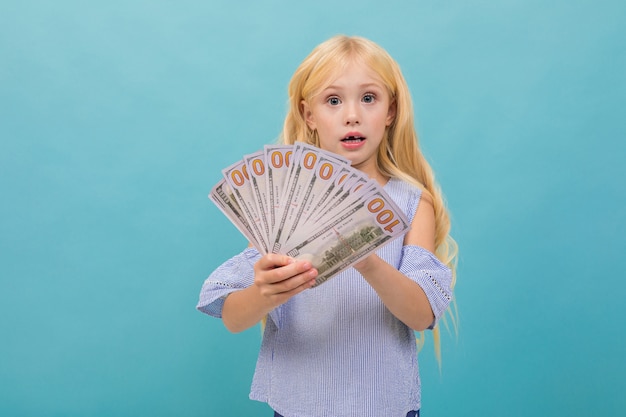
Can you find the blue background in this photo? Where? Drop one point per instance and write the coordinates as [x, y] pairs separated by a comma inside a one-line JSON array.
[[117, 117]]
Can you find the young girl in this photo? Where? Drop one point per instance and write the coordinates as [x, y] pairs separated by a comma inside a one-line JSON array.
[[347, 347]]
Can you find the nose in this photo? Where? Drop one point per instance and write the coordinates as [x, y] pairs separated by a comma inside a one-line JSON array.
[[352, 116]]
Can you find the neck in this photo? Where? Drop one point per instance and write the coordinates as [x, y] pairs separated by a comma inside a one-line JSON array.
[[373, 173]]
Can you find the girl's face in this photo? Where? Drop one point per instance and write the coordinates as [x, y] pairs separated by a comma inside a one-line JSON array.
[[351, 115]]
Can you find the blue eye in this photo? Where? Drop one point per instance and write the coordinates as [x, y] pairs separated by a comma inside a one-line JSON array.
[[368, 98], [333, 101]]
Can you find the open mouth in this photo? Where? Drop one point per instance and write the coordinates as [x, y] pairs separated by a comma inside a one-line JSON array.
[[353, 139]]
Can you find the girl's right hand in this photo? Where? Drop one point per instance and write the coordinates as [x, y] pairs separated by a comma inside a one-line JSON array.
[[277, 278], [280, 277]]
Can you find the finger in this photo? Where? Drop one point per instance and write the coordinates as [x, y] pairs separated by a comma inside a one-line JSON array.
[[304, 278], [291, 270], [296, 285], [274, 260]]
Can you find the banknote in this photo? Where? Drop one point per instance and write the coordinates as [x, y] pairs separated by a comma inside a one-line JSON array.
[[313, 208], [314, 172], [278, 161], [222, 196], [304, 159], [347, 206], [308, 203], [353, 235], [236, 176], [256, 168], [320, 187], [350, 198], [347, 191]]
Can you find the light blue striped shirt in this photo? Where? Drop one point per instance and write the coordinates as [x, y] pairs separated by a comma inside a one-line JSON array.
[[336, 350]]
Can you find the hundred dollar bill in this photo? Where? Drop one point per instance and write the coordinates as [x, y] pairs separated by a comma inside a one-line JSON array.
[[237, 178], [321, 187], [278, 161], [310, 165], [305, 158], [345, 194], [222, 196], [313, 208], [352, 196], [256, 170], [348, 238], [312, 184]]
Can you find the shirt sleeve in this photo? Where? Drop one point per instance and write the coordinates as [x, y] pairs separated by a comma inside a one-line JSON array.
[[235, 274], [431, 274]]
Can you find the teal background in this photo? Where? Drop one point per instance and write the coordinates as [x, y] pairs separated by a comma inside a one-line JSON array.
[[116, 118]]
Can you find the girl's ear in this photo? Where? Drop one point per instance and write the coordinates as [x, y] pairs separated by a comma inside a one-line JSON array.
[[308, 115], [391, 113]]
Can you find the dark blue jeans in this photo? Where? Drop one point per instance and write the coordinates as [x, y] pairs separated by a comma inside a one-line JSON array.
[[410, 414]]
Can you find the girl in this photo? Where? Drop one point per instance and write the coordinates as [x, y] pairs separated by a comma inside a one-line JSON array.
[[347, 347]]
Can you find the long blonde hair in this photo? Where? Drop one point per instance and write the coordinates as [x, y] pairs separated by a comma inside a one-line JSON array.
[[399, 155]]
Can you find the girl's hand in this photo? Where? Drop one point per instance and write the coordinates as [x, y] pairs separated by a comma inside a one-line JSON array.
[[280, 277], [277, 278], [366, 263]]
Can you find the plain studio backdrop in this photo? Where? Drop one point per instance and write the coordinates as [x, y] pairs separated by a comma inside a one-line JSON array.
[[117, 117]]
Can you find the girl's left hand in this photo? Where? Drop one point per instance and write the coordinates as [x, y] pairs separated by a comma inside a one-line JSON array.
[[366, 263]]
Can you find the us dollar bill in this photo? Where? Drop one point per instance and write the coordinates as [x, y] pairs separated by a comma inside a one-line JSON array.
[[338, 179], [352, 188], [318, 169], [278, 160], [308, 203], [320, 188], [256, 167], [352, 236], [236, 176], [303, 162], [347, 206], [222, 196]]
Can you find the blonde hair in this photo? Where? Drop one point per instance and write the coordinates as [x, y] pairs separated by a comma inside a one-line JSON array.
[[399, 155]]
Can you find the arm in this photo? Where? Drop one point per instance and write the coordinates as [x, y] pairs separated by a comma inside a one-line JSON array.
[[277, 278], [402, 296]]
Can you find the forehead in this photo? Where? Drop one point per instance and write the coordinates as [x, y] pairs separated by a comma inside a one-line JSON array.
[[352, 71], [355, 73]]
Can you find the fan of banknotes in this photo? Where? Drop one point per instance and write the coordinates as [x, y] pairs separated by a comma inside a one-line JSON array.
[[310, 204]]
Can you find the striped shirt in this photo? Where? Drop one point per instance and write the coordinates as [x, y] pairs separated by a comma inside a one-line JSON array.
[[336, 350]]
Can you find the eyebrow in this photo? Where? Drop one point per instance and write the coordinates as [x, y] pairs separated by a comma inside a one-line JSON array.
[[366, 85]]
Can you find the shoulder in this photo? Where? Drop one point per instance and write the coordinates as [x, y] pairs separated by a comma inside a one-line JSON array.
[[417, 204], [407, 195]]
